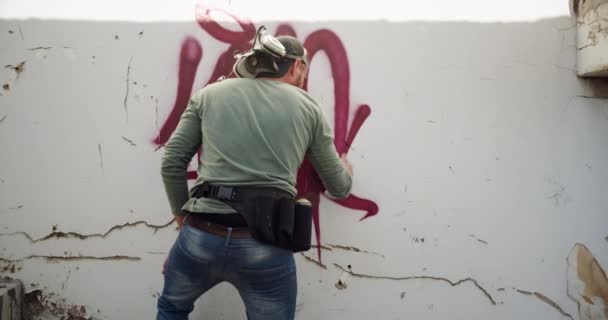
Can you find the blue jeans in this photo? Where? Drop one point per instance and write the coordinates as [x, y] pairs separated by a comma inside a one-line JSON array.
[[264, 275]]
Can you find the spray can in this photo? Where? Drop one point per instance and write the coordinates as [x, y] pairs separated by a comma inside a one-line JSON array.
[[302, 225]]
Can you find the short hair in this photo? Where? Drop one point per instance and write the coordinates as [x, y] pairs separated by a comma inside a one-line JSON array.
[[293, 48]]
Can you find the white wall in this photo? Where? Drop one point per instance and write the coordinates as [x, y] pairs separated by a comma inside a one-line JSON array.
[[481, 141]]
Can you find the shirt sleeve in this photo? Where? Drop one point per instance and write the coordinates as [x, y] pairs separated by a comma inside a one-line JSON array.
[[326, 161], [181, 147]]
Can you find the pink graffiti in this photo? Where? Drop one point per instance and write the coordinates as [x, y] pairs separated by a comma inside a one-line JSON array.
[[309, 184]]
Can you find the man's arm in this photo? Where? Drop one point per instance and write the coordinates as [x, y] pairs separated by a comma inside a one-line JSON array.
[[335, 172], [181, 147]]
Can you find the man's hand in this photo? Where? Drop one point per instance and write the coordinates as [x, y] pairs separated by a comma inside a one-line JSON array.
[[346, 164], [180, 221]]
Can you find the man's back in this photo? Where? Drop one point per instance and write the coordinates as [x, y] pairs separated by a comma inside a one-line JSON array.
[[254, 132]]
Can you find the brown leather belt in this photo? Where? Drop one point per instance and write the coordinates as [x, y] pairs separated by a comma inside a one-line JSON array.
[[198, 221]]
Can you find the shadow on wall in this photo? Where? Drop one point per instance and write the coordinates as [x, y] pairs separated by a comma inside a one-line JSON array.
[[122, 69]]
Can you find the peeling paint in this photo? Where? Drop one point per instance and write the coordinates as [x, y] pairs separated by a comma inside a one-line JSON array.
[[129, 141], [18, 68], [341, 284], [452, 283], [41, 305], [57, 234], [587, 284], [417, 239], [9, 268]]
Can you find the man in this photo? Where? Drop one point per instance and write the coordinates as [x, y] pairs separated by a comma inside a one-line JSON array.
[[253, 132]]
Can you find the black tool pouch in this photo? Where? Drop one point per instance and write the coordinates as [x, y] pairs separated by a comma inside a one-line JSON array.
[[264, 213], [302, 226], [272, 216]]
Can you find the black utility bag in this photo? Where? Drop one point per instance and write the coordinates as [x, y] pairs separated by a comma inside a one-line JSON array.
[[272, 215]]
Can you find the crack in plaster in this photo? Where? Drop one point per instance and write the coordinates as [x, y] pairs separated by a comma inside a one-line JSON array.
[[40, 48], [528, 293], [587, 45], [590, 97], [314, 261], [71, 258], [452, 283], [59, 234], [322, 247], [156, 120], [127, 91], [355, 249], [129, 141], [479, 240], [546, 300], [101, 159]]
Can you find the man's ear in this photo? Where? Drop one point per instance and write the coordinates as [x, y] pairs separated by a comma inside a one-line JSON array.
[[293, 68]]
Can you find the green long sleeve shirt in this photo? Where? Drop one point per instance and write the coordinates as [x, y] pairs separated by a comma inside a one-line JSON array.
[[253, 132]]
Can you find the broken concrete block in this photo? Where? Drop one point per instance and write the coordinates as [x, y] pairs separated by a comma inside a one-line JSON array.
[[592, 37], [587, 284], [11, 299]]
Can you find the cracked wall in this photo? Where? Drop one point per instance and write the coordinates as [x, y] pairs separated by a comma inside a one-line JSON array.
[[483, 152], [592, 37]]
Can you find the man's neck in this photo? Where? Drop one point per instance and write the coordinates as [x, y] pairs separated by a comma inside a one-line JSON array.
[[283, 80]]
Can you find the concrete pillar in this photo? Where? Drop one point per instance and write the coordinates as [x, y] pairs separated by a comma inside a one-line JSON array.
[[11, 299], [592, 37]]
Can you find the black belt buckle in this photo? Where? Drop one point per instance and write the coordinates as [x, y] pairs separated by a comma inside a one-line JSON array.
[[223, 193]]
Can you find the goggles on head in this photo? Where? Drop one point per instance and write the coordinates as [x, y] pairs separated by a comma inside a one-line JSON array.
[[263, 56]]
